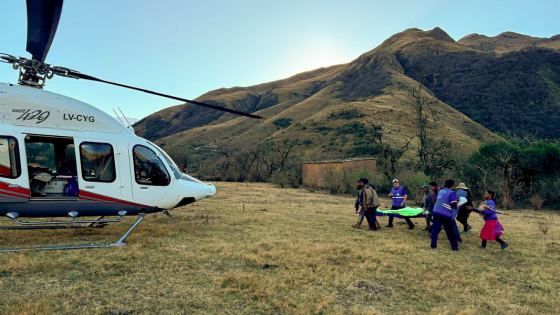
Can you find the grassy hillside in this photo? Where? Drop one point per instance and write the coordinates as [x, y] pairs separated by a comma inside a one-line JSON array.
[[508, 42], [513, 92], [479, 91], [313, 107], [289, 252]]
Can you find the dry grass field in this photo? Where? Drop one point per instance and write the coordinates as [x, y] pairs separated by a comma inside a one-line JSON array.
[[290, 251]]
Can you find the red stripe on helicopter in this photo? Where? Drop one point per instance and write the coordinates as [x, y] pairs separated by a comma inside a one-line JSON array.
[[95, 197], [13, 195], [17, 190]]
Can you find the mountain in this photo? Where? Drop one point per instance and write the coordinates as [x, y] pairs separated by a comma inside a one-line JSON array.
[[508, 42], [330, 109]]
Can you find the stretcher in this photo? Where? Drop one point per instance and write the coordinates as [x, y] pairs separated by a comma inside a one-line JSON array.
[[401, 213]]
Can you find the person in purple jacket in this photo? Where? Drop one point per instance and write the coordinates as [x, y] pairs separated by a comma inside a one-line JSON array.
[[492, 229], [443, 215], [398, 193]]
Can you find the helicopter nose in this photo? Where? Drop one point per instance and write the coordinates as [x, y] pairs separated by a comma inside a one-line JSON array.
[[211, 190]]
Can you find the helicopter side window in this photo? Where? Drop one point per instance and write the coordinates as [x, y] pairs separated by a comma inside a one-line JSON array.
[[98, 162], [148, 168], [9, 158]]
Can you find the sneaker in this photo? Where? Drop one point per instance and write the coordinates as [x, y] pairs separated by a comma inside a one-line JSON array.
[[357, 226], [455, 249], [464, 232], [481, 247], [411, 227], [390, 225], [504, 245], [468, 229]]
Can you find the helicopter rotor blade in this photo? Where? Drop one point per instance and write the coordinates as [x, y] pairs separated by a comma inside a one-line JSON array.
[[42, 22], [65, 72]]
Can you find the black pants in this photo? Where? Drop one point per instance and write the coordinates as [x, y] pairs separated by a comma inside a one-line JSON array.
[[463, 216], [429, 221], [372, 218], [408, 221], [499, 240], [448, 226]]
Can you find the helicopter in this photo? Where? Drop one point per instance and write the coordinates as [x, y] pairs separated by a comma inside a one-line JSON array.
[[60, 157]]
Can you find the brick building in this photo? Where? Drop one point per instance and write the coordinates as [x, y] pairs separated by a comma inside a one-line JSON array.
[[313, 172]]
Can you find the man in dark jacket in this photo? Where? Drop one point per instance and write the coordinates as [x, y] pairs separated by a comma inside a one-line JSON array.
[[428, 205], [359, 205], [368, 201]]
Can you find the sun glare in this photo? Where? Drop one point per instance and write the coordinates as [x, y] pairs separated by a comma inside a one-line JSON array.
[[313, 55]]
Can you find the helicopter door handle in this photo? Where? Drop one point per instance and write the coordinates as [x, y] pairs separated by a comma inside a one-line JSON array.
[[143, 187], [14, 186]]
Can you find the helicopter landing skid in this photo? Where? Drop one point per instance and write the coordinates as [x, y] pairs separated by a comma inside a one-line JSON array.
[[51, 227], [96, 224], [118, 243]]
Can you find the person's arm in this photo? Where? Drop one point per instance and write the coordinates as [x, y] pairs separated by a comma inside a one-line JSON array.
[[368, 198], [453, 200], [430, 203], [404, 198]]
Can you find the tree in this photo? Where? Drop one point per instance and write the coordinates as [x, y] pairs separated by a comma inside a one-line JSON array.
[[390, 155], [433, 152]]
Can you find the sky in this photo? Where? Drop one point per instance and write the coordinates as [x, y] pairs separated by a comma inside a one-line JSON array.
[[187, 48]]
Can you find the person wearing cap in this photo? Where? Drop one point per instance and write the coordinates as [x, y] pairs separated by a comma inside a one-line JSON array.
[[398, 193], [428, 205], [464, 212], [443, 215]]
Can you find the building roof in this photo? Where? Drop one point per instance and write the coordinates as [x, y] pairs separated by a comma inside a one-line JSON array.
[[340, 160]]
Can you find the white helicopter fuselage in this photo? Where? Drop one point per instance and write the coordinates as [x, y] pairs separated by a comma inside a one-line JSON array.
[[115, 170]]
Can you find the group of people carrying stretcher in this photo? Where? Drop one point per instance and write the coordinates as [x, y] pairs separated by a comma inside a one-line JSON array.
[[442, 208]]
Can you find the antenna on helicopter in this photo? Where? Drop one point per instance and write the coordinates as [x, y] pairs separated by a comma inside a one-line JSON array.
[[114, 111], [42, 22], [125, 117]]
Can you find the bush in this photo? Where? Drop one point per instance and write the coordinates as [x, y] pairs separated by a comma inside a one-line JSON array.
[[537, 201], [346, 114], [507, 197], [283, 122], [280, 179], [333, 181]]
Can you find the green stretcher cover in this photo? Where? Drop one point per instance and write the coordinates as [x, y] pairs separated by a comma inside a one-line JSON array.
[[402, 213]]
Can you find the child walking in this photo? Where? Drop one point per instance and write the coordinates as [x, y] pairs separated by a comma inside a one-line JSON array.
[[492, 229]]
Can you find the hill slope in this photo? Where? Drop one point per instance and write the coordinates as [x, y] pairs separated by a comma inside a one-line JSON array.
[[331, 108], [508, 42]]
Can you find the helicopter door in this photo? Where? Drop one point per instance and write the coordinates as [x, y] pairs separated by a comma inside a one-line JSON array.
[[12, 181], [151, 181], [99, 168]]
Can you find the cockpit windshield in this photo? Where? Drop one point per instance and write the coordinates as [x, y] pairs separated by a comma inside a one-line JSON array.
[[169, 162]]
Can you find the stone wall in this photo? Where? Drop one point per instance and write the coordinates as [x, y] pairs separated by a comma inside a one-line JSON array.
[[313, 172]]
